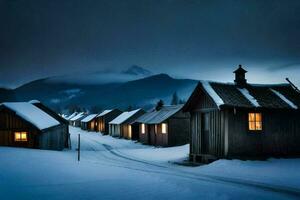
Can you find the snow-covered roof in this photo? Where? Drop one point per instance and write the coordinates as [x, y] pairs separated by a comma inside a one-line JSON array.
[[248, 96], [157, 117], [282, 97], [211, 92], [77, 117], [89, 118], [104, 113], [123, 117], [71, 116], [32, 114], [34, 101]]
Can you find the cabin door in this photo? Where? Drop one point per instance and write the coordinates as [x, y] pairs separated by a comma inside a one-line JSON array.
[[205, 133], [152, 135]]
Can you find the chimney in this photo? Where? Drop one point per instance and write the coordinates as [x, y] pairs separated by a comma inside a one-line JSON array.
[[240, 80]]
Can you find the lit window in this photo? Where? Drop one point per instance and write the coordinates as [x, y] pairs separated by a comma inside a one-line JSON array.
[[129, 131], [255, 121], [143, 128], [21, 136], [164, 128]]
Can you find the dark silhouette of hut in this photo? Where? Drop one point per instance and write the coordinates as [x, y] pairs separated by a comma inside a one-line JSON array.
[[104, 118], [168, 126], [242, 120]]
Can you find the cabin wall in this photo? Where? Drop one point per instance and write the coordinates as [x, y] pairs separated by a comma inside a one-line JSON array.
[[135, 131], [52, 138], [124, 131], [108, 118], [179, 129], [279, 137], [100, 127], [84, 126], [11, 123], [143, 137], [215, 141], [159, 138], [115, 130]]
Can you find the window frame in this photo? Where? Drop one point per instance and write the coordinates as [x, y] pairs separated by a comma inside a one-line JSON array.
[[20, 136], [255, 121]]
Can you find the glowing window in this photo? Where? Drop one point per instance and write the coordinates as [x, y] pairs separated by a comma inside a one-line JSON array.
[[164, 128], [21, 136], [254, 121], [129, 131], [143, 128]]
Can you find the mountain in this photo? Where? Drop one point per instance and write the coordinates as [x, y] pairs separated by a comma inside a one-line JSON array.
[[144, 92], [7, 95], [103, 77], [137, 70]]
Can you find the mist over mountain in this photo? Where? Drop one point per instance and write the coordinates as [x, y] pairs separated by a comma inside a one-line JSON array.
[[132, 87], [103, 76], [137, 71]]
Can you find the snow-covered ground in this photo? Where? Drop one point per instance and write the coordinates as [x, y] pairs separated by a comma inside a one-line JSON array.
[[112, 168]]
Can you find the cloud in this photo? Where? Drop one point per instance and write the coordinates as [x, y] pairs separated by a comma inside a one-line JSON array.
[[295, 65]]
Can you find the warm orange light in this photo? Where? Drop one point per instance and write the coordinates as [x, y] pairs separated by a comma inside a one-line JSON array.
[[164, 128], [21, 136], [129, 131], [255, 121], [143, 128]]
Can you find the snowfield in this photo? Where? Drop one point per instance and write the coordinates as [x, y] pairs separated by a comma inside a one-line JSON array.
[[112, 168]]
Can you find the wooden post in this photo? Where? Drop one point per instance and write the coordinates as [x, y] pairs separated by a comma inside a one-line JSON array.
[[78, 147]]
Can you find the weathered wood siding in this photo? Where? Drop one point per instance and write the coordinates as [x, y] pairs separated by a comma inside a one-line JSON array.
[[52, 138], [159, 138], [179, 129], [216, 126], [280, 135], [216, 129], [144, 137], [115, 130], [103, 121], [89, 126], [11, 123]]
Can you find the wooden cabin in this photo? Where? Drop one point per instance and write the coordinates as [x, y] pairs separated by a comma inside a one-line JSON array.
[[25, 125], [168, 126], [121, 125], [64, 123], [242, 120], [71, 116], [76, 120], [89, 122], [104, 118]]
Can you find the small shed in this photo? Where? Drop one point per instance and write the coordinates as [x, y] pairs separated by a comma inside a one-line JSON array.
[[71, 116], [76, 120], [121, 125], [104, 118], [168, 126], [89, 122], [25, 125], [64, 123], [242, 120]]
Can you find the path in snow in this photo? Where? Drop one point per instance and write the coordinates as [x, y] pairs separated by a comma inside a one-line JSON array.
[[113, 168], [171, 169]]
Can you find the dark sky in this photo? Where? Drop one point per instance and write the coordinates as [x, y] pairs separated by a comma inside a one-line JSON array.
[[185, 38]]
